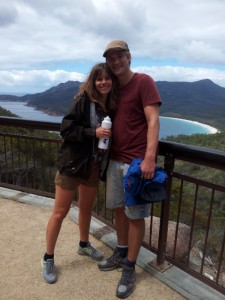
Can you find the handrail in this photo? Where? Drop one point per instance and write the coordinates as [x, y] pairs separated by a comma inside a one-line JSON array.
[[25, 123], [187, 153]]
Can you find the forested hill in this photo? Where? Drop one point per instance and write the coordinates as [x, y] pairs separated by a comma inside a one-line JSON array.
[[201, 100], [56, 99]]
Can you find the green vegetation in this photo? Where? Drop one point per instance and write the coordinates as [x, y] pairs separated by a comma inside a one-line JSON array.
[[6, 113], [28, 157], [56, 100], [212, 141], [192, 202], [202, 101]]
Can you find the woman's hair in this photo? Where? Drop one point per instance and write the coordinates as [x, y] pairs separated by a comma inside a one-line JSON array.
[[89, 86]]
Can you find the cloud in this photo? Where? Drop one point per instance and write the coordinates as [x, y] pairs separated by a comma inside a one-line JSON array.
[[41, 35], [8, 15], [36, 80], [170, 73]]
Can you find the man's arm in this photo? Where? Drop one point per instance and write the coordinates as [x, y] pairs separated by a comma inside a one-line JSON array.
[[148, 164]]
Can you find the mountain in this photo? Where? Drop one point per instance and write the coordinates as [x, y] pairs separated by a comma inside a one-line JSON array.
[[55, 100], [9, 98], [201, 100]]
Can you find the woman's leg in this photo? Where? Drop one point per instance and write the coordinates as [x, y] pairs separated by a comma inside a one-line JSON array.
[[63, 200], [87, 197]]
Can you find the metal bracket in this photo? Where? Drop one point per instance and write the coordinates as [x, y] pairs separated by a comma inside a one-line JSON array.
[[162, 267]]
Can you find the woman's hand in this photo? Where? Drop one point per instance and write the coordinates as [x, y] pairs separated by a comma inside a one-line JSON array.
[[103, 132]]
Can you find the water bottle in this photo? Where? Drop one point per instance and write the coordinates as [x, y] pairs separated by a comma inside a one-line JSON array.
[[104, 142]]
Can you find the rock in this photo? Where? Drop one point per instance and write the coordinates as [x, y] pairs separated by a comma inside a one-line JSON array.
[[182, 237]]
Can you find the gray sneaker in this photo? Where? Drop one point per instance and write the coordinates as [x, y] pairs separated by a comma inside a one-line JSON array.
[[90, 251], [126, 284], [111, 263], [49, 273]]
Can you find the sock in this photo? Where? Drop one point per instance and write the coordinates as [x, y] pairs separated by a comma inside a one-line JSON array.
[[129, 263], [48, 256], [122, 250], [83, 244]]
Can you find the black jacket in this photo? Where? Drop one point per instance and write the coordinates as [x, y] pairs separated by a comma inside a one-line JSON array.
[[78, 140]]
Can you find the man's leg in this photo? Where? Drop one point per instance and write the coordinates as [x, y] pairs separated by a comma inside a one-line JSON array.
[[135, 238], [122, 225], [115, 201], [136, 215], [120, 253]]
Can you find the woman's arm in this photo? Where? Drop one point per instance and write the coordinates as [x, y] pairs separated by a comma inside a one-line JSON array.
[[76, 125]]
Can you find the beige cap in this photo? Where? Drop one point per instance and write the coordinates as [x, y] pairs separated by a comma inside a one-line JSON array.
[[116, 45]]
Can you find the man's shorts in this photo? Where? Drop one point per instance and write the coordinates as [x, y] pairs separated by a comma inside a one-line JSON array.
[[71, 183], [115, 196]]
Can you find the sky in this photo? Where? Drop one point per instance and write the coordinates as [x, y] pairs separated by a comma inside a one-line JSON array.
[[45, 42]]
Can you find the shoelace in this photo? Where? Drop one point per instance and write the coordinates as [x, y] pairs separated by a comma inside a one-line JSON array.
[[49, 266], [114, 258], [125, 279]]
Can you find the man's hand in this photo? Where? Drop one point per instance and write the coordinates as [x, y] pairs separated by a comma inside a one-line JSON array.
[[148, 169]]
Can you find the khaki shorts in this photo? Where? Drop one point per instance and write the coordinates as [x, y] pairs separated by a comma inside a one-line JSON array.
[[115, 196], [71, 183]]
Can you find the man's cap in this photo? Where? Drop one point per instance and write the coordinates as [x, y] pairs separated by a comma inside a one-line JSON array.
[[116, 45]]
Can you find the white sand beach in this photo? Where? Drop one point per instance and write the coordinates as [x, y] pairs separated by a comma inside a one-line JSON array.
[[210, 129]]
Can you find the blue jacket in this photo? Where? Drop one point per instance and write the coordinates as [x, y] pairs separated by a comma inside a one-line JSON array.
[[142, 191]]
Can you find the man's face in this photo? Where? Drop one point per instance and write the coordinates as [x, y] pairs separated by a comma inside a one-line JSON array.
[[118, 61]]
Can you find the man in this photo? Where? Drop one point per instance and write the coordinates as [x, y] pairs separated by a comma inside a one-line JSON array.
[[135, 134]]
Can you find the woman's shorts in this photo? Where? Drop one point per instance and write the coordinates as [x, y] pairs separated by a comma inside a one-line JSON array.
[[115, 196], [71, 183]]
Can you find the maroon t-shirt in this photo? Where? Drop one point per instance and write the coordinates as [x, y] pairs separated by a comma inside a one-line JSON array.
[[129, 127]]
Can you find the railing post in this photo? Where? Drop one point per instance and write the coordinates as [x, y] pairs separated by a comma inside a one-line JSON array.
[[159, 263]]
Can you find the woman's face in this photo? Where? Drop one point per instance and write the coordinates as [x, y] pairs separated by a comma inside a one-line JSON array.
[[103, 84]]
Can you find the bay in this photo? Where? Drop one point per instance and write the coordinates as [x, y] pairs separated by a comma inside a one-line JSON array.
[[168, 126], [174, 126], [27, 112]]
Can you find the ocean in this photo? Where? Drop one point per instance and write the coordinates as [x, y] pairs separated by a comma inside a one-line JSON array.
[[168, 126]]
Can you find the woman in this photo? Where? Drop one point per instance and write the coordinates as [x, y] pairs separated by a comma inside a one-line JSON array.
[[79, 162]]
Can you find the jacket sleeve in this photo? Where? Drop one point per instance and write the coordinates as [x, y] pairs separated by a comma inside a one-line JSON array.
[[75, 124]]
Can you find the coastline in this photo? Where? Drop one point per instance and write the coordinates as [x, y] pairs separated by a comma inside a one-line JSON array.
[[45, 111], [55, 117], [212, 130]]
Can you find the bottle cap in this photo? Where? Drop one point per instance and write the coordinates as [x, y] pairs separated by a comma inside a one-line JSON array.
[[107, 119]]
